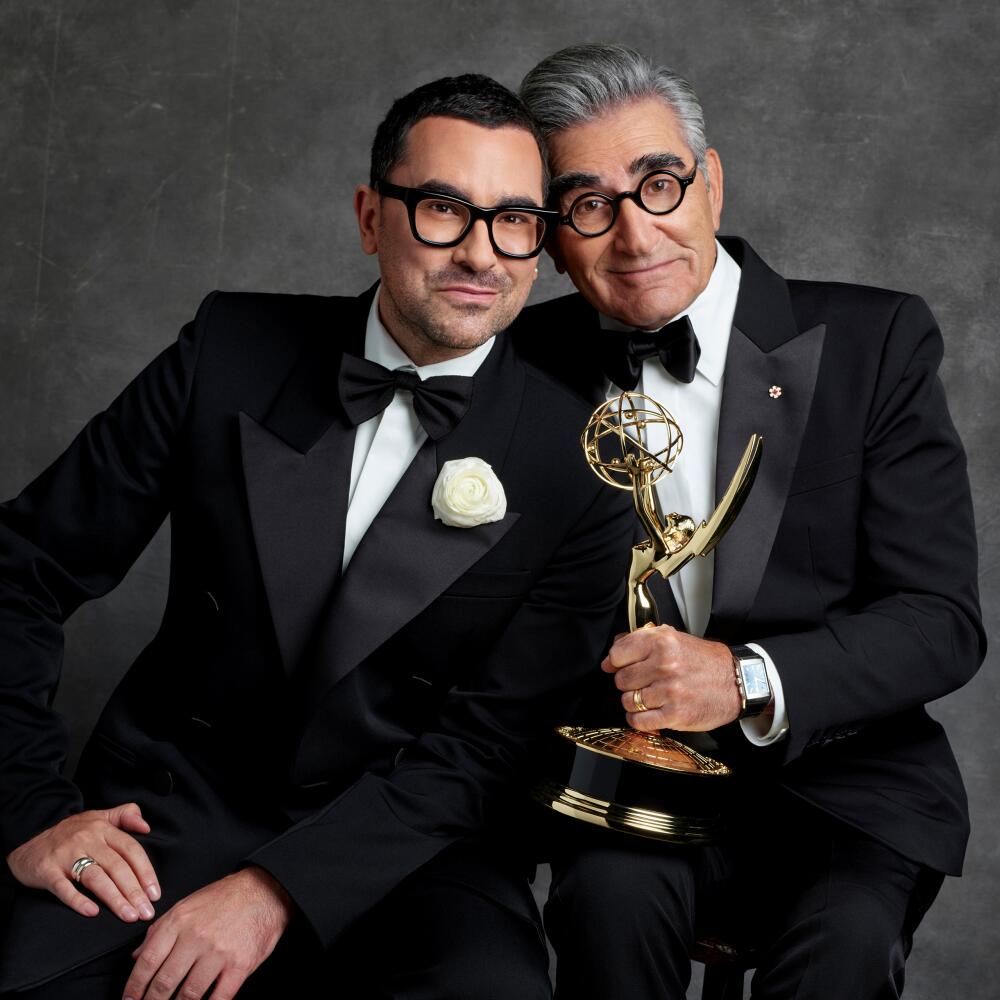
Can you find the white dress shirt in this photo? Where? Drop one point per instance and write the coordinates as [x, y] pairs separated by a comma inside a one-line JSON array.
[[690, 488], [386, 444]]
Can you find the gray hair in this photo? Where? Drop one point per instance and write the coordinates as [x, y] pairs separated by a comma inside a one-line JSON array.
[[582, 82]]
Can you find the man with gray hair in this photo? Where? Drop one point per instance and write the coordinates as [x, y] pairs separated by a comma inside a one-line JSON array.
[[855, 808]]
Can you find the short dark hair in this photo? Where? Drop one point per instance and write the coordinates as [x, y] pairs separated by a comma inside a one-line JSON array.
[[472, 97]]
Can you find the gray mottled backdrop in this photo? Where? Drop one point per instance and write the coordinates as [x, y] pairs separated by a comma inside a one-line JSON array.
[[152, 150]]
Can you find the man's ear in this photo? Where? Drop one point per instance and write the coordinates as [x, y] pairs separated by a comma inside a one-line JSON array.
[[367, 207], [715, 189]]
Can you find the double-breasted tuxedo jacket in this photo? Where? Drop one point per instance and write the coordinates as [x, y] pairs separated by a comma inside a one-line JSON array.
[[853, 562], [337, 730]]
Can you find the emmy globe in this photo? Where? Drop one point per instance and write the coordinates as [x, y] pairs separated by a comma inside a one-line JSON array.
[[650, 785]]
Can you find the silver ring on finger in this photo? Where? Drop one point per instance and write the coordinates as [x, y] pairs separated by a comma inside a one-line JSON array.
[[637, 702], [80, 866]]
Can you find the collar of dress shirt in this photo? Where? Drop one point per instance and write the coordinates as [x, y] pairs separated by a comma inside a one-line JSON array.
[[711, 315], [384, 351]]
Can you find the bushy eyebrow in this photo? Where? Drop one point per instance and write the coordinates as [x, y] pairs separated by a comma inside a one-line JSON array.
[[558, 186], [447, 190], [647, 163]]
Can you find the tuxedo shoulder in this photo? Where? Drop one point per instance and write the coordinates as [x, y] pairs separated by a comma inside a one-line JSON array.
[[261, 315], [260, 334], [878, 330], [825, 301], [241, 347]]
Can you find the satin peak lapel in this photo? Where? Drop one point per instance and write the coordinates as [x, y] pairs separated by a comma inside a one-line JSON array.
[[298, 503], [297, 467], [749, 406]]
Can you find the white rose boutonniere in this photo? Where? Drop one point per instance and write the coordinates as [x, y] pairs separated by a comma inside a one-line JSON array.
[[467, 493]]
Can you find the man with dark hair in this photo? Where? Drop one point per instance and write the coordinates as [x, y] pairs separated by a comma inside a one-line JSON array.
[[849, 580], [489, 106], [383, 583]]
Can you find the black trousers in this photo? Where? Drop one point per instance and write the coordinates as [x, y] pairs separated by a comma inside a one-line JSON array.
[[830, 911], [465, 925]]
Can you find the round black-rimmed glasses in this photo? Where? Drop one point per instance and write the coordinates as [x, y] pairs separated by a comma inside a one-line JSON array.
[[442, 221], [659, 193]]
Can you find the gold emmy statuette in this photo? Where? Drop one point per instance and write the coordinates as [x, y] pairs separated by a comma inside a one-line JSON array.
[[649, 785]]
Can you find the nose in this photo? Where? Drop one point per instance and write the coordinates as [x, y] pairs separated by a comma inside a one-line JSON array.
[[475, 251], [635, 230]]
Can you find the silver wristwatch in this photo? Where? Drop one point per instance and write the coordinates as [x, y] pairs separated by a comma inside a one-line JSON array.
[[751, 679]]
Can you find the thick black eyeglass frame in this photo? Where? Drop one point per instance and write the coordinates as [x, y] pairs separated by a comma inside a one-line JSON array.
[[615, 200], [411, 196]]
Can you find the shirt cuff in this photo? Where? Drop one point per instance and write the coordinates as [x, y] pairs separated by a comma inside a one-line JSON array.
[[760, 730]]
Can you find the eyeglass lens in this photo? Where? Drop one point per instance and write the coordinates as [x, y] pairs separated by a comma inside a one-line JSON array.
[[440, 220], [659, 194]]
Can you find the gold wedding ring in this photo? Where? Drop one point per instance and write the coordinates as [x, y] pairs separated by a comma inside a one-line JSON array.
[[640, 705], [80, 866]]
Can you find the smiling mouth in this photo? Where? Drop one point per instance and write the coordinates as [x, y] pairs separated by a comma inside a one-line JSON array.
[[637, 272], [469, 294]]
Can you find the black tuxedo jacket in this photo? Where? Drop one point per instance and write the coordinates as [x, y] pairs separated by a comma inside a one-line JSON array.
[[337, 731], [853, 562]]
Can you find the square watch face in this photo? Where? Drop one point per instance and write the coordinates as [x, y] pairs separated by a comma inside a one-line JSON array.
[[755, 680]]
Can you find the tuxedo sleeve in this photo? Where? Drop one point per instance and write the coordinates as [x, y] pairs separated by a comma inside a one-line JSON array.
[[914, 632], [69, 537], [453, 782]]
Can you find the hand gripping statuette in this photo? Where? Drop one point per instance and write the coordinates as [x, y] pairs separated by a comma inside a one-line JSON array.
[[649, 785]]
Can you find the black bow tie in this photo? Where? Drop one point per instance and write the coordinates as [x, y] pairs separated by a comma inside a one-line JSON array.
[[366, 389], [675, 344]]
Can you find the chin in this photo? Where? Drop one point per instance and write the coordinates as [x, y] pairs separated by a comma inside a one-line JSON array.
[[459, 337], [659, 308]]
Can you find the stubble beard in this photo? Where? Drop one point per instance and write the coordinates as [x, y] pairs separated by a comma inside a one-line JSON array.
[[453, 327]]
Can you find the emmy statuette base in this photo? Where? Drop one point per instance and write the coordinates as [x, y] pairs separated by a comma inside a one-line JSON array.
[[637, 783]]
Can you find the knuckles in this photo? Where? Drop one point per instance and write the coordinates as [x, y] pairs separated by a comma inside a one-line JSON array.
[[205, 941]]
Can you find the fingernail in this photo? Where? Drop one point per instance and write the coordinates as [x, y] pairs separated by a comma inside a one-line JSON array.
[[146, 911], [153, 891], [129, 914]]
